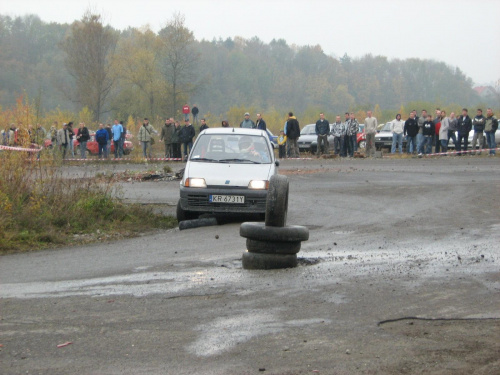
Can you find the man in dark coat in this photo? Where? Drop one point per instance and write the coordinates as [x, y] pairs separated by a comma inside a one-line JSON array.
[[464, 126], [293, 134]]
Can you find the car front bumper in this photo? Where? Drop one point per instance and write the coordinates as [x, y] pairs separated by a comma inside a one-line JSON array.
[[197, 200]]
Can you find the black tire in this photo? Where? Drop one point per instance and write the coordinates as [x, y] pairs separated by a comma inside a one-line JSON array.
[[261, 232], [273, 247], [277, 201], [182, 214], [255, 261], [190, 224]]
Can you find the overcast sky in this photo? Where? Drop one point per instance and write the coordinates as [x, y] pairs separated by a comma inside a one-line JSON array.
[[463, 33]]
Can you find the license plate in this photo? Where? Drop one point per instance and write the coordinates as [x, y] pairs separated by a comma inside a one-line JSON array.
[[226, 198]]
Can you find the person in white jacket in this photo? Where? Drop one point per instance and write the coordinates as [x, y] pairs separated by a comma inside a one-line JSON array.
[[397, 128], [443, 131]]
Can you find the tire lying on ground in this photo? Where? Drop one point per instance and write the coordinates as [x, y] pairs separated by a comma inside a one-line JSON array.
[[273, 247], [261, 232], [256, 261], [277, 201]]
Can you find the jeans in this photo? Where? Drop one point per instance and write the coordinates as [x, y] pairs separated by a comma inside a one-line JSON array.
[[490, 139], [108, 148], [103, 150], [282, 151], [451, 134], [478, 137], [186, 116], [411, 144], [370, 144], [437, 144], [64, 149], [337, 145], [146, 149], [420, 143], [168, 150], [397, 140], [465, 138], [444, 145], [195, 118], [294, 148], [71, 145], [118, 149], [176, 149], [343, 146], [427, 144], [83, 150], [351, 142], [187, 147], [355, 142], [322, 140]]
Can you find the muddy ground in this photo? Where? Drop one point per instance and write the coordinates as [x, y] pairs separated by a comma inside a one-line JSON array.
[[400, 276]]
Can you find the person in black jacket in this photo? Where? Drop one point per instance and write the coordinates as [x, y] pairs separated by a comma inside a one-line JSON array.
[[203, 125], [464, 126], [478, 123], [292, 135], [82, 136], [186, 136], [428, 132], [194, 112], [410, 131]]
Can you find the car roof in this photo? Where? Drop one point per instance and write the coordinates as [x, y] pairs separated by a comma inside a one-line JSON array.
[[240, 131]]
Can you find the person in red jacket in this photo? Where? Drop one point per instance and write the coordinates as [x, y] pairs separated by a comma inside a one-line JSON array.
[[186, 111]]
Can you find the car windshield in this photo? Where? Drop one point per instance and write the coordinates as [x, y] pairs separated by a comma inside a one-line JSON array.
[[309, 129], [231, 148], [386, 127]]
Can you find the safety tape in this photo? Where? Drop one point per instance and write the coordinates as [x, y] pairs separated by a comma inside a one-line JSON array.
[[486, 150], [10, 148]]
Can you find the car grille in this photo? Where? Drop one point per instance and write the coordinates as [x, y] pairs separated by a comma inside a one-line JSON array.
[[201, 200]]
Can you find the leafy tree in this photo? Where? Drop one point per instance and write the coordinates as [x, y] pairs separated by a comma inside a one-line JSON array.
[[88, 49]]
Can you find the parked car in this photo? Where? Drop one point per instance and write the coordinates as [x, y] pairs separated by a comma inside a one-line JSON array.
[[383, 138], [228, 171], [93, 147], [471, 135], [308, 141]]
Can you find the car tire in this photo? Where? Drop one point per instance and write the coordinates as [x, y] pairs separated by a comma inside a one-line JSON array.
[[261, 232], [183, 214], [362, 144], [256, 261], [277, 201], [273, 247]]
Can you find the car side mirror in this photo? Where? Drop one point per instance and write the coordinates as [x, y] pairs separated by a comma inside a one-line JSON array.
[[277, 163]]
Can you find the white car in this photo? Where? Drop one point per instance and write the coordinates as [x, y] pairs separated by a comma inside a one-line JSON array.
[[228, 171]]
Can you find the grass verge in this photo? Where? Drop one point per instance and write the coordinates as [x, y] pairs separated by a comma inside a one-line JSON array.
[[42, 209]]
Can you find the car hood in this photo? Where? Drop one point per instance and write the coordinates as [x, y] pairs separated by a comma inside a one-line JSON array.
[[229, 174]]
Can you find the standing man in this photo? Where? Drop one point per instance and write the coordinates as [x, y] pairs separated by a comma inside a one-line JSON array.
[[39, 134], [63, 139], [353, 134], [110, 138], [490, 127], [83, 136], [194, 112], [410, 131], [186, 136], [101, 137], [443, 131], [397, 128], [464, 126], [260, 124], [145, 135], [337, 136], [370, 131], [420, 135], [203, 125], [176, 142], [343, 137], [186, 111], [71, 135], [117, 131], [452, 129], [247, 123], [293, 134], [478, 123], [167, 132], [322, 131]]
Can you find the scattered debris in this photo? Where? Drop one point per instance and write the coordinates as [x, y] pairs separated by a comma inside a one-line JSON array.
[[196, 223], [65, 344]]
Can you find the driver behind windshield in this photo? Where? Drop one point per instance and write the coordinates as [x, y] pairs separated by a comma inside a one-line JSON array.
[[256, 151]]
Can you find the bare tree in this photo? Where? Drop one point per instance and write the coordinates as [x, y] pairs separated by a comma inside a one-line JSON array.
[[88, 50], [179, 59]]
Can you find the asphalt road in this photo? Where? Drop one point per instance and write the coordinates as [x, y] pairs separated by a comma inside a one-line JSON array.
[[389, 239]]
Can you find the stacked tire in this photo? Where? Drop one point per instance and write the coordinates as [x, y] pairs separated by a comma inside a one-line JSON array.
[[273, 244]]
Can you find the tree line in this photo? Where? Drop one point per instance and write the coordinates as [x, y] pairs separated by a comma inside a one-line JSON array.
[[137, 72]]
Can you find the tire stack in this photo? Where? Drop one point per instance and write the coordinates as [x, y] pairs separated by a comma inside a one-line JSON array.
[[273, 244]]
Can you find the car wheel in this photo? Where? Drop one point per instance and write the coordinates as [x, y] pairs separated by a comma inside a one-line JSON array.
[[183, 214], [256, 261], [277, 201], [273, 247], [261, 232], [362, 144]]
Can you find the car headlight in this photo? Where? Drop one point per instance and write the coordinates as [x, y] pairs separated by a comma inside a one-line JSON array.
[[258, 185], [195, 182]]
